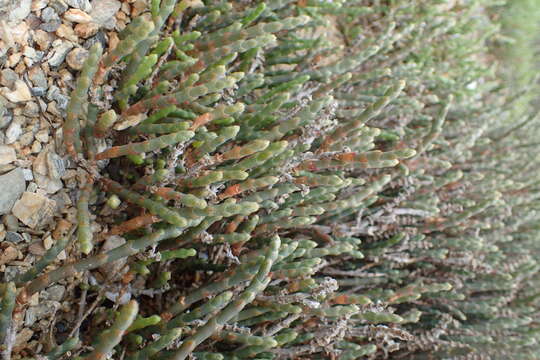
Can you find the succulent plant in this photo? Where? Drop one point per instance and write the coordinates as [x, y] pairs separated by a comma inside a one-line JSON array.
[[306, 179]]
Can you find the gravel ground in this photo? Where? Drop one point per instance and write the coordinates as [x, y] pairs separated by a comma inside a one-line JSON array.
[[43, 44]]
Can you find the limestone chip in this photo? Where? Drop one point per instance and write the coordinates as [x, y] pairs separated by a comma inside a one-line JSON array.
[[34, 210], [7, 155], [15, 182]]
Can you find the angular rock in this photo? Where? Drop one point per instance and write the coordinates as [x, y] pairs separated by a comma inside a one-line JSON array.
[[8, 254], [8, 78], [20, 93], [76, 58], [12, 185], [49, 14], [40, 164], [38, 91], [47, 183], [66, 32], [86, 30], [138, 7], [39, 4], [6, 168], [59, 5], [37, 77], [55, 165], [14, 59], [31, 109], [51, 26], [36, 248], [20, 11], [48, 242], [77, 16], [59, 52], [34, 210], [6, 115], [63, 201], [20, 33], [43, 39], [30, 316], [31, 55], [32, 187], [36, 147], [26, 139], [100, 37], [14, 237], [11, 222], [28, 175], [55, 94], [84, 5], [104, 10], [42, 136], [7, 155], [33, 21], [13, 132], [56, 292]]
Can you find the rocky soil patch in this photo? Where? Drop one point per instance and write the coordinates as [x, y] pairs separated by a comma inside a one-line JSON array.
[[43, 44]]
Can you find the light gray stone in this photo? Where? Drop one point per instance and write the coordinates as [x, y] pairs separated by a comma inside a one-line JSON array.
[[12, 185], [11, 222], [47, 183], [37, 77], [5, 6], [84, 5], [32, 187], [8, 78], [31, 53], [59, 52], [104, 10], [28, 175], [13, 132], [56, 292], [59, 5], [6, 168], [55, 165], [7, 155], [51, 26], [54, 94], [30, 316], [6, 115], [19, 11], [49, 14]]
